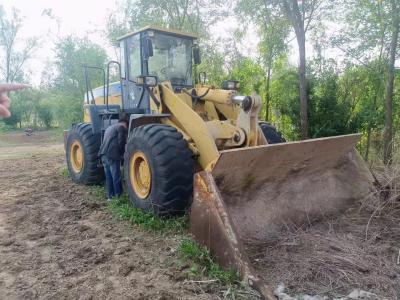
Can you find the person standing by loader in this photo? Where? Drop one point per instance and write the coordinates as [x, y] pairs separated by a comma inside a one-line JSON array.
[[111, 154]]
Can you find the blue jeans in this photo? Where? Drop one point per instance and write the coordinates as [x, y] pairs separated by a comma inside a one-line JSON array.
[[112, 170]]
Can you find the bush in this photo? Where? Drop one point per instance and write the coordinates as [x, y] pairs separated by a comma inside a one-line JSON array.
[[4, 127], [45, 114]]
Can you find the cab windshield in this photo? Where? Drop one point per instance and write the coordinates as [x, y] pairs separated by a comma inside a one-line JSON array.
[[172, 59]]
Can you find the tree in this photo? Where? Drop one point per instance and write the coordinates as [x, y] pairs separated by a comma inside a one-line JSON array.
[[273, 30], [71, 54], [371, 34], [272, 45], [13, 59], [65, 80], [45, 114], [388, 133], [301, 15], [194, 16]]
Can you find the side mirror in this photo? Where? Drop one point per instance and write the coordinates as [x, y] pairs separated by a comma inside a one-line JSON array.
[[148, 48], [196, 55]]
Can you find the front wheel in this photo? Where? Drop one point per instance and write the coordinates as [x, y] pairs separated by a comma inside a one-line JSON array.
[[82, 147], [158, 170], [272, 135]]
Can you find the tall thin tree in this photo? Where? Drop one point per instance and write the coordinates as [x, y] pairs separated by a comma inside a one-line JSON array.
[[301, 14], [388, 132], [14, 60]]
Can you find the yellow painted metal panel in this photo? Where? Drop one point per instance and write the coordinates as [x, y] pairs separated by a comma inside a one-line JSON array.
[[194, 126]]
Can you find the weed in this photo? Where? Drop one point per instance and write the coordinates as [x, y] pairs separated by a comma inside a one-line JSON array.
[[199, 258], [202, 264], [122, 209], [99, 192], [64, 172]]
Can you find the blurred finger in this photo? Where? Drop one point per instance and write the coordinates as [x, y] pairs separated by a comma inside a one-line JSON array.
[[4, 112], [8, 87], [4, 100]]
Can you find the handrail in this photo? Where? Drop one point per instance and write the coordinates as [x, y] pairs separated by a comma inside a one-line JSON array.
[[88, 85], [108, 82]]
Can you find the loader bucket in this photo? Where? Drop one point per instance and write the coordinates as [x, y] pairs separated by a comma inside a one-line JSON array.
[[252, 193]]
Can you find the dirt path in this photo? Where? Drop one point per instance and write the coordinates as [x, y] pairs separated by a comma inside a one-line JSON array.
[[56, 242]]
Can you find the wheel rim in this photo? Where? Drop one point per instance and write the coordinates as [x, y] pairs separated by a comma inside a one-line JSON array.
[[140, 174], [76, 156]]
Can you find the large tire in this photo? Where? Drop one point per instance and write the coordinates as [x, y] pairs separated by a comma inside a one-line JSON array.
[[82, 148], [158, 170], [272, 135]]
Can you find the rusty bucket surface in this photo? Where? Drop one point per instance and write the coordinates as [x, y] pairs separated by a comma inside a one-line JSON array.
[[253, 192]]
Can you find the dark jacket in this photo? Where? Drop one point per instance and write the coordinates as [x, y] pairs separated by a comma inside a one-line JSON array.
[[114, 141]]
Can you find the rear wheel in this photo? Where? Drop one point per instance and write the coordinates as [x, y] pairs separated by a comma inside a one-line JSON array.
[[272, 135], [82, 148], [158, 169]]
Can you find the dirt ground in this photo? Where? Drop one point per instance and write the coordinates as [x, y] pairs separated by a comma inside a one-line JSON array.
[[359, 249], [57, 242]]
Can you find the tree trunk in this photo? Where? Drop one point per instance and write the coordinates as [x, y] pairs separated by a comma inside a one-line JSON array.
[[267, 94], [303, 84], [388, 133], [297, 18], [368, 143]]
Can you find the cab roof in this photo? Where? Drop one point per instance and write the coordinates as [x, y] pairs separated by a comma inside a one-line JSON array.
[[160, 29]]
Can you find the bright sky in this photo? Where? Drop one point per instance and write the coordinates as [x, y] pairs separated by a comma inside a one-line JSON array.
[[75, 17]]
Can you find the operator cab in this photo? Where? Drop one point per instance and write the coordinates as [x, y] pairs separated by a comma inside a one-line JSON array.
[[166, 54]]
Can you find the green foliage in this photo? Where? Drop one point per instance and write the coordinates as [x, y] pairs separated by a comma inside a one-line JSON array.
[[64, 172], [191, 16], [250, 75], [25, 107], [202, 263], [61, 101], [16, 116], [4, 127], [212, 63], [122, 209], [45, 114], [71, 54]]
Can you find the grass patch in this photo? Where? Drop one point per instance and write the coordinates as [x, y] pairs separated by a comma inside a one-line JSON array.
[[122, 209], [197, 257], [99, 192], [202, 264], [64, 172]]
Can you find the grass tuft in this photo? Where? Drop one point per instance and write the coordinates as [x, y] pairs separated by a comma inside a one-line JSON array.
[[122, 209], [64, 172], [198, 257], [202, 263]]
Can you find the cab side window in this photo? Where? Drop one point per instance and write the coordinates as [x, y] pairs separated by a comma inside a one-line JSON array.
[[122, 53], [135, 68]]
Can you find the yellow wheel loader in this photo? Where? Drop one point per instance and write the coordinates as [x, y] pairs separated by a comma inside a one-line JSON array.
[[198, 147]]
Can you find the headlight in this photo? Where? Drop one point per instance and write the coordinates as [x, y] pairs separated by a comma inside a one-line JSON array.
[[230, 85], [244, 101], [146, 80]]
